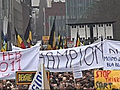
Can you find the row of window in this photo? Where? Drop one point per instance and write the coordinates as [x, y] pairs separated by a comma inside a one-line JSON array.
[[95, 38], [100, 25]]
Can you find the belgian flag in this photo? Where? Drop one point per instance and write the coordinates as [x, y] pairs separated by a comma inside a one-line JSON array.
[[20, 42], [28, 35], [60, 41], [4, 42], [65, 43], [51, 43], [78, 41]]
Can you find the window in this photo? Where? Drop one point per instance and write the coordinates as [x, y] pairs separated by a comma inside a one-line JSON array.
[[100, 25], [73, 26], [82, 26], [72, 39], [106, 24], [109, 37], [109, 24]]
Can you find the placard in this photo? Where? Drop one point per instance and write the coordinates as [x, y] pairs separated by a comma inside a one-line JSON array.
[[24, 77], [107, 79], [77, 73]]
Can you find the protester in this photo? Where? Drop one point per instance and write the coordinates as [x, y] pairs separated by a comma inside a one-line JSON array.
[[66, 81], [58, 81]]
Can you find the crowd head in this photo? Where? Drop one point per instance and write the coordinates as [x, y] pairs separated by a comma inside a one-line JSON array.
[[58, 81]]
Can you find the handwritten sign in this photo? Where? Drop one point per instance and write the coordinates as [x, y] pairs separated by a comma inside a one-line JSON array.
[[77, 73], [111, 61], [107, 79], [20, 60]]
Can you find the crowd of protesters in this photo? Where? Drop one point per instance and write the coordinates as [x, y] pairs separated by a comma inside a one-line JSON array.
[[65, 81], [58, 81]]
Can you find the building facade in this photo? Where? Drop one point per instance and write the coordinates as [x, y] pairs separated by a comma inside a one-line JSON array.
[[106, 10], [75, 10], [104, 30], [17, 12], [40, 21], [57, 10]]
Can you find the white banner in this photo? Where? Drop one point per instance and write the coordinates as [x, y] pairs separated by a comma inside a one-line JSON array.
[[87, 57], [111, 61], [111, 47], [20, 60]]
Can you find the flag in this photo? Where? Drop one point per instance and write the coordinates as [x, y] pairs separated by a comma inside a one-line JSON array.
[[40, 81], [60, 41], [8, 32], [77, 41], [4, 42], [4, 34], [28, 35], [9, 46], [56, 45], [65, 42], [20, 42], [51, 43]]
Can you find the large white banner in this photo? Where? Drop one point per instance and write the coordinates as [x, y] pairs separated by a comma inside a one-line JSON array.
[[87, 57], [20, 60]]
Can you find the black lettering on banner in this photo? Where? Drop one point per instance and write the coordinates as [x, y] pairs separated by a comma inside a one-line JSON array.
[[97, 48], [113, 51], [80, 58], [71, 56], [53, 59], [65, 53], [102, 86], [106, 58], [117, 51], [42, 56], [87, 54]]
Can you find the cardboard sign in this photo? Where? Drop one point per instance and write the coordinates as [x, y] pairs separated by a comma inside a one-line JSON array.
[[24, 77], [107, 79]]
